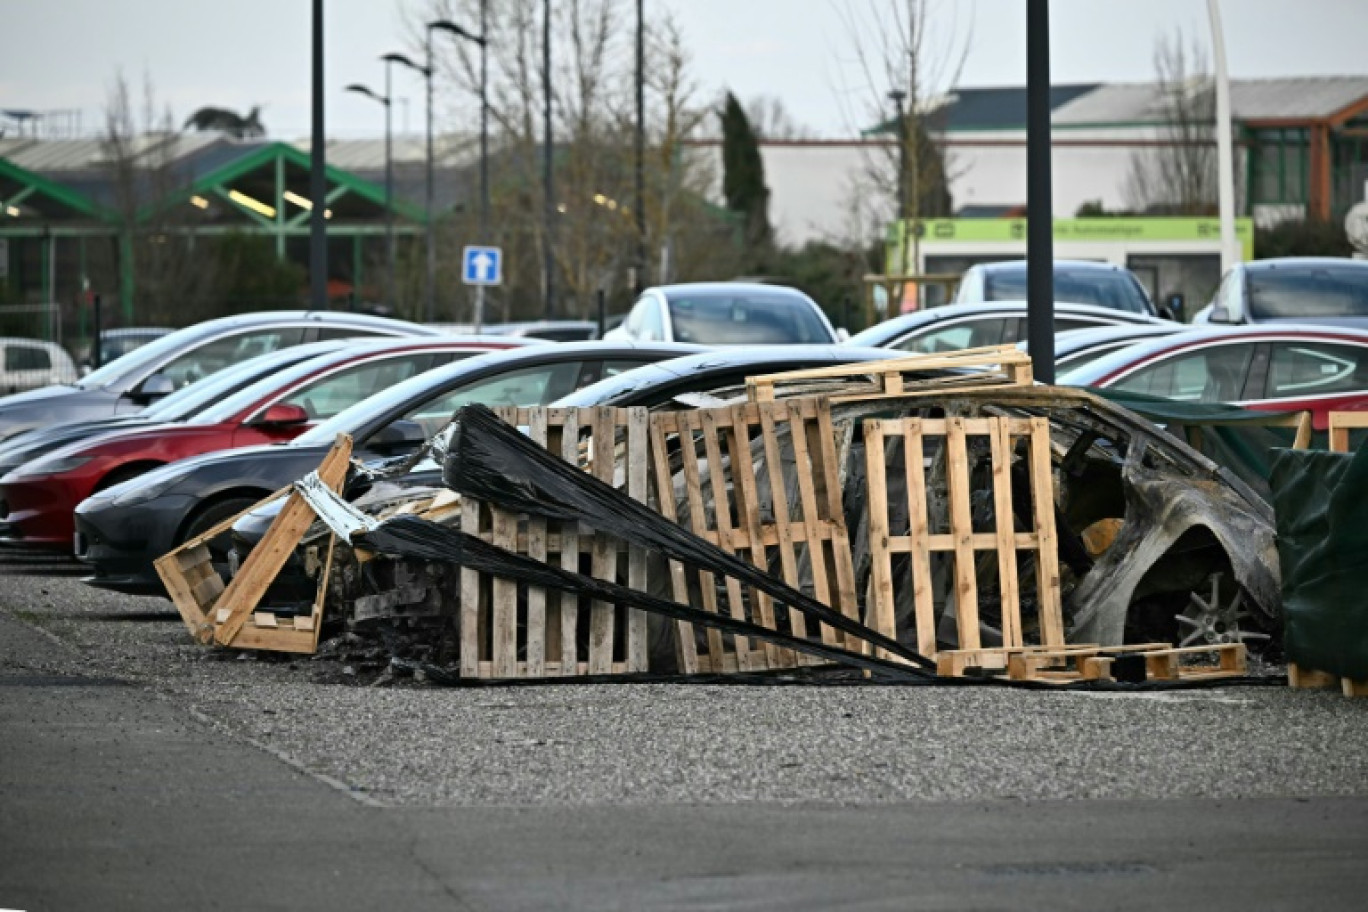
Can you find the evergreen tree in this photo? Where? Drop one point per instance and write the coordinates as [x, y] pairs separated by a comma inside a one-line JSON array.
[[743, 177]]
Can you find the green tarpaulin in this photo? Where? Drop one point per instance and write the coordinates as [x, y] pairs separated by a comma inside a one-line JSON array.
[[1321, 502]]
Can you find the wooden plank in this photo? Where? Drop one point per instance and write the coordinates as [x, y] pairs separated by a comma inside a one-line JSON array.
[[1009, 593], [982, 541], [536, 550], [919, 535], [1300, 678], [638, 467], [744, 488], [961, 527], [839, 542], [569, 609], [801, 428], [503, 618], [689, 424], [207, 590], [470, 597], [602, 615], [1047, 553], [783, 523], [1340, 425], [881, 612], [268, 557], [748, 657], [686, 652]]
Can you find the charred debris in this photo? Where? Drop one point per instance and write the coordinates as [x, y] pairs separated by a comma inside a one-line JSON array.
[[930, 519]]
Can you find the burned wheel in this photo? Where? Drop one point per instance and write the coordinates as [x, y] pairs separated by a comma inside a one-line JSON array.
[[1218, 612]]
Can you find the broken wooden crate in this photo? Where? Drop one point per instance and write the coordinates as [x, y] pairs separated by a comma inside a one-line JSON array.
[[510, 629], [760, 481], [228, 615]]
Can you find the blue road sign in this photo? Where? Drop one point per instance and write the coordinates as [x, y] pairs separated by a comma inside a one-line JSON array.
[[482, 266]]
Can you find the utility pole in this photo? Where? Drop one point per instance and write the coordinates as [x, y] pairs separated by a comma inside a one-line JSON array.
[[430, 280], [1039, 201], [548, 184], [318, 181], [639, 204], [386, 100], [1225, 168]]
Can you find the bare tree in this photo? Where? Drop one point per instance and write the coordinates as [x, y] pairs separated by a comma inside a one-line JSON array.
[[772, 120], [171, 276], [916, 48], [1178, 176]]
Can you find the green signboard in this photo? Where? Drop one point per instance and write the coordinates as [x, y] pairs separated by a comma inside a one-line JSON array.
[[1140, 230]]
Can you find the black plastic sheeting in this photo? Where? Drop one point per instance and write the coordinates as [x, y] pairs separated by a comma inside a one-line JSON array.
[[490, 460], [1319, 501]]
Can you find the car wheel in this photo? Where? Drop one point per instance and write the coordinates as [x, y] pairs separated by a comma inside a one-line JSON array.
[[209, 516], [119, 476]]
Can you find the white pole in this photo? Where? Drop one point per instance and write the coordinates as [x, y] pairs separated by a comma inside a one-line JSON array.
[[1230, 247]]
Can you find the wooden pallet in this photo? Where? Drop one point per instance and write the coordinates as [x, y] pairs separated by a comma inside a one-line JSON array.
[[514, 630], [950, 438], [795, 519], [975, 368], [1340, 425], [228, 615], [1092, 662], [1299, 678]]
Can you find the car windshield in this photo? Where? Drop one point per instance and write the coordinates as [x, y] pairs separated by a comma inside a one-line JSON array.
[[144, 356], [112, 347], [745, 318], [1110, 288], [1323, 290]]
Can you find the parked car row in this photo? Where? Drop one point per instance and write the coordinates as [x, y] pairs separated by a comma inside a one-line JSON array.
[[166, 442]]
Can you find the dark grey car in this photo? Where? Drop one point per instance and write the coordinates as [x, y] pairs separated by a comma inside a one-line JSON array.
[[161, 367]]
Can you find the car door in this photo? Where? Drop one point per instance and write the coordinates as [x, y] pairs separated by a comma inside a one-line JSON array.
[[1315, 374]]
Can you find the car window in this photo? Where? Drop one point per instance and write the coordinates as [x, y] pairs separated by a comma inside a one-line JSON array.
[[1308, 291], [220, 353], [745, 318], [26, 357], [1110, 288], [326, 396], [652, 327], [1214, 374], [530, 386], [1315, 369], [964, 334]]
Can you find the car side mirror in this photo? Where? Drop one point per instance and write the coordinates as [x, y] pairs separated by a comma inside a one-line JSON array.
[[153, 388], [283, 414], [398, 437]]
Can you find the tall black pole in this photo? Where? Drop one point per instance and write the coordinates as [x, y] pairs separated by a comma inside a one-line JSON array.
[[548, 186], [484, 154], [1039, 204], [430, 277], [639, 204], [318, 181], [391, 293]]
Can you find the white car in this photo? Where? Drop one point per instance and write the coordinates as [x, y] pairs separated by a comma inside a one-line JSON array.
[[27, 364], [725, 313]]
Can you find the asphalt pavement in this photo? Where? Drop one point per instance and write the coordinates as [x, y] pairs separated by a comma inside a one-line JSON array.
[[139, 771]]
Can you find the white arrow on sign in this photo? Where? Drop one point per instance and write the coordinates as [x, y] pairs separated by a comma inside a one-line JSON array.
[[484, 266]]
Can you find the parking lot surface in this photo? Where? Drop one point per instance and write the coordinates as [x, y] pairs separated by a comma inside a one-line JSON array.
[[130, 744]]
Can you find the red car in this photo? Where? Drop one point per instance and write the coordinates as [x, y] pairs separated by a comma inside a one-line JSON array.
[[37, 500], [1291, 367]]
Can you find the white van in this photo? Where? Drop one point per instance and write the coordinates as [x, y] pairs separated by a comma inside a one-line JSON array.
[[26, 364]]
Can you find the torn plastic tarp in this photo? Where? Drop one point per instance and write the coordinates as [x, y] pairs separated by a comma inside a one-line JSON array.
[[418, 538], [489, 460]]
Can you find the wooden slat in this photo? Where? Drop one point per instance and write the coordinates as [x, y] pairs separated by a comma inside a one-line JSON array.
[[961, 527], [783, 523], [268, 557], [919, 533], [569, 610], [536, 550], [689, 424], [745, 656], [1340, 425], [686, 652], [801, 427], [602, 615], [470, 596], [881, 612], [638, 466], [944, 541], [830, 475], [1051, 616], [745, 491], [1008, 585]]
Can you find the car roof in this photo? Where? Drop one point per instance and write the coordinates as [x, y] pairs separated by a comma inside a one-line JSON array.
[[897, 326], [720, 288], [1148, 348], [1275, 263], [1098, 265]]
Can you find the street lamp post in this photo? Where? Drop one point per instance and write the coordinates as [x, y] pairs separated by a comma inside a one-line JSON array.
[[385, 100], [429, 284], [482, 40]]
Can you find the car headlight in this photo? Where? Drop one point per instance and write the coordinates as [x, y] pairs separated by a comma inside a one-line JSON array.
[[50, 466], [141, 490]]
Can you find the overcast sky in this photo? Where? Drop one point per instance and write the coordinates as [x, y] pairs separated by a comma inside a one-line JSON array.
[[64, 53]]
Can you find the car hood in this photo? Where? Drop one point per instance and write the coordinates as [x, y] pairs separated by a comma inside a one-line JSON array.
[[40, 441], [52, 404]]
